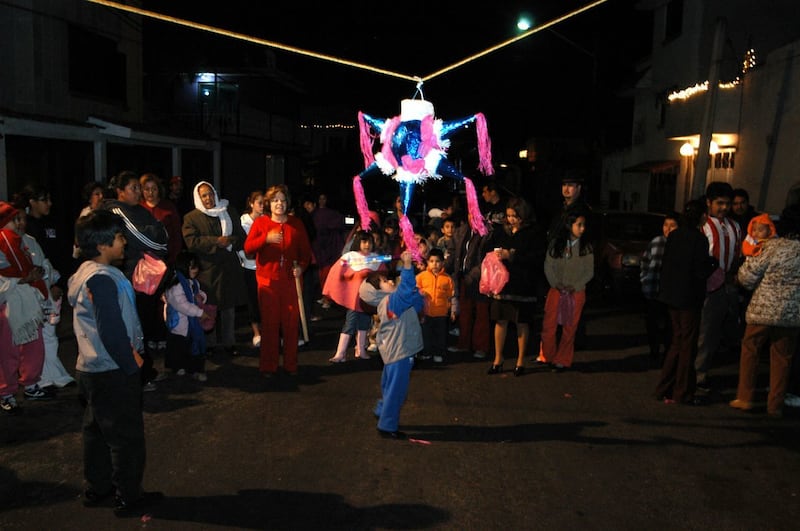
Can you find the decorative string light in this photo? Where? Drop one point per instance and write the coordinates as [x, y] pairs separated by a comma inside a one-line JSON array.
[[327, 126], [685, 94], [750, 60]]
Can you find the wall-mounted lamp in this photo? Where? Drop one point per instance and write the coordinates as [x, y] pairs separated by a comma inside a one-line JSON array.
[[688, 149]]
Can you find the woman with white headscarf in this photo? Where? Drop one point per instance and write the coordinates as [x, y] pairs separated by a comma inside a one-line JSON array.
[[213, 232]]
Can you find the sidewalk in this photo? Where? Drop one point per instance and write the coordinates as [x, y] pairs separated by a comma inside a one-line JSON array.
[[585, 449]]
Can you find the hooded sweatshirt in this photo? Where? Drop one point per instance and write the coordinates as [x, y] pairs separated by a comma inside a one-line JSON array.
[[750, 245], [399, 333], [107, 327]]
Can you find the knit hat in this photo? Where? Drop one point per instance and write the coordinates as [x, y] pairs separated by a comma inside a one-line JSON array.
[[7, 213]]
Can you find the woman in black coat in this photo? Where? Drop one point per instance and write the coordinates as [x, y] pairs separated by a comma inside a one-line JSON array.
[[685, 269], [213, 231], [521, 245]]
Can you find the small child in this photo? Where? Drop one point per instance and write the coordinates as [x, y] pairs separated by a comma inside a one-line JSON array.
[[424, 250], [108, 370], [760, 229], [342, 285], [22, 294], [399, 339], [437, 289], [447, 243], [186, 343], [657, 321]]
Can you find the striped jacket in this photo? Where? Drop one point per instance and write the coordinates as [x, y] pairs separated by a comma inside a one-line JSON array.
[[724, 242]]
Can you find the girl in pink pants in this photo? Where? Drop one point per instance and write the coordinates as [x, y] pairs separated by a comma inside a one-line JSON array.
[[568, 266]]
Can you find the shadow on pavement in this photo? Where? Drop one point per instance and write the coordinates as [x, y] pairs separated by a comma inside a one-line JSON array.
[[280, 509]]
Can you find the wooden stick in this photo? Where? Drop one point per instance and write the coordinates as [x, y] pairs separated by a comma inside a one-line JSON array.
[[301, 304]]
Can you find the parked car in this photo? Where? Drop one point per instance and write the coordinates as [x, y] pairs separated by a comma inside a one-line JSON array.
[[620, 238]]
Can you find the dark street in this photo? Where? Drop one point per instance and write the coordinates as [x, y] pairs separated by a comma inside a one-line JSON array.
[[585, 449]]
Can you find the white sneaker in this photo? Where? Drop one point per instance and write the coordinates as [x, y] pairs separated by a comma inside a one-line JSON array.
[[300, 342], [791, 400], [181, 372], [455, 331], [438, 359], [479, 355], [454, 348], [9, 404], [256, 341], [200, 376]]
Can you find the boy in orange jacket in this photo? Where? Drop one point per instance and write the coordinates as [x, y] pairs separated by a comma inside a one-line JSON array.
[[436, 287]]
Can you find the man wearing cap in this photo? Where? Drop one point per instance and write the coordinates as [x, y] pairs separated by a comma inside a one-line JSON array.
[[574, 201]]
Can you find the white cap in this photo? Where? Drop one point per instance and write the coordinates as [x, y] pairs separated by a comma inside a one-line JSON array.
[[415, 109], [435, 213]]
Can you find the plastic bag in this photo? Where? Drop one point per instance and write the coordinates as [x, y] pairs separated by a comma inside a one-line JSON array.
[[148, 274], [494, 275], [566, 308], [211, 310]]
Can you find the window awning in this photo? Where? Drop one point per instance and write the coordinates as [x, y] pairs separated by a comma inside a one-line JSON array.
[[653, 166]]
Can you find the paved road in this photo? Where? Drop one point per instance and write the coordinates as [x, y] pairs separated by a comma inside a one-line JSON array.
[[586, 449]]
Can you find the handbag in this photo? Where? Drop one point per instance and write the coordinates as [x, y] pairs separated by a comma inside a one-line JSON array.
[[494, 275], [148, 274], [211, 310]]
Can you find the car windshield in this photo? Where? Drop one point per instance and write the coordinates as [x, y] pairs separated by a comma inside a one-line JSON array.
[[636, 227]]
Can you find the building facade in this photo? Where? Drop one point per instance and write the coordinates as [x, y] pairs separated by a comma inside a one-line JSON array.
[[722, 75]]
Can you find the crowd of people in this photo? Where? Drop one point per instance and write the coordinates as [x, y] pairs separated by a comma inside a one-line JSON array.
[[720, 277], [728, 278]]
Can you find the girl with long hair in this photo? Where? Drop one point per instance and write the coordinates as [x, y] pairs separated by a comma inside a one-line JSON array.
[[568, 266]]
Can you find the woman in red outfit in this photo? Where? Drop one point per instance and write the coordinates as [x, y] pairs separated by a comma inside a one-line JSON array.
[[283, 251]]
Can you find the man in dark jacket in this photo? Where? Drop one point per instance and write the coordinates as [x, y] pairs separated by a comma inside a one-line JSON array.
[[741, 209], [685, 267]]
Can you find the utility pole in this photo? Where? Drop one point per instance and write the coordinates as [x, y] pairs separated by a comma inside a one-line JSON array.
[[702, 163]]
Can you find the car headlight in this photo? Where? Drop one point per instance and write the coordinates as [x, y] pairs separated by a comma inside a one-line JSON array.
[[631, 260]]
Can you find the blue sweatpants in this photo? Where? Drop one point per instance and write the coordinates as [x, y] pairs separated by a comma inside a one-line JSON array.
[[394, 389]]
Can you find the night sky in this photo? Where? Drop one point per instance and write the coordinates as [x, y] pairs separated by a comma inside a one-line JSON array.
[[541, 85]]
